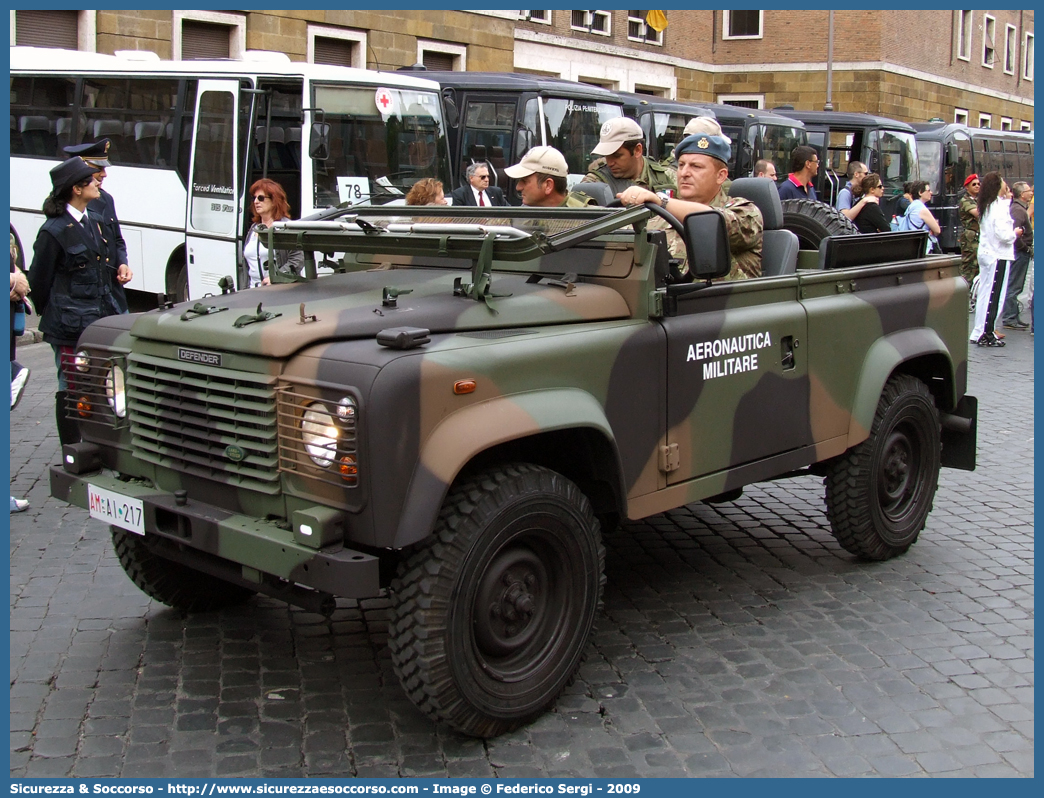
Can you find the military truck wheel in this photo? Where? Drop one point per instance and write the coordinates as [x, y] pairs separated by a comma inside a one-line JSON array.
[[812, 221], [177, 280], [492, 612], [879, 493], [172, 583]]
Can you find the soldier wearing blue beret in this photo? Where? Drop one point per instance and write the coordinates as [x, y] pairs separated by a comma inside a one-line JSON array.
[[96, 153], [702, 171]]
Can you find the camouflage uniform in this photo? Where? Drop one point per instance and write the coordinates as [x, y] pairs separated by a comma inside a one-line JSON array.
[[969, 239], [575, 199], [745, 225], [654, 176]]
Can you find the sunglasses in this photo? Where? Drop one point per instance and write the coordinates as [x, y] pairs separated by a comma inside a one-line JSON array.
[[261, 198]]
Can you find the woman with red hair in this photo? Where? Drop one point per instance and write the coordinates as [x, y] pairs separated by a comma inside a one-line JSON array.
[[268, 204]]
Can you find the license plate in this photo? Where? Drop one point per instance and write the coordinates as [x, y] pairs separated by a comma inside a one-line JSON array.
[[114, 508]]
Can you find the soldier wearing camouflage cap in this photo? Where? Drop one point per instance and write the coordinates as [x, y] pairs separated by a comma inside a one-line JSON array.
[[542, 177], [623, 163], [702, 170]]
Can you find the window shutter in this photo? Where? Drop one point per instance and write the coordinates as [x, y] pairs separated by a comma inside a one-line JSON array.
[[204, 40], [333, 51], [47, 28], [439, 62]]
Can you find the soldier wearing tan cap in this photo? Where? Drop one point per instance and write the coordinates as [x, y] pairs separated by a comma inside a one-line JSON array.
[[542, 177], [623, 163]]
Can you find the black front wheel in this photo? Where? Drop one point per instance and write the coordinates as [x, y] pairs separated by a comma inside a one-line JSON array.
[[879, 493], [493, 611]]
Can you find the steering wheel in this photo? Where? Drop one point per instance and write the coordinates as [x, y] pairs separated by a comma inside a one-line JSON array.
[[658, 210]]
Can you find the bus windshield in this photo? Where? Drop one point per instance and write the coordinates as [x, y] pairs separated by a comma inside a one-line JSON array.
[[929, 162], [668, 131], [382, 141], [898, 163], [570, 126], [778, 143]]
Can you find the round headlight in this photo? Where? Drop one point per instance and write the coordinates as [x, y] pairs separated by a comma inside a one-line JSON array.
[[116, 392], [319, 435], [82, 361]]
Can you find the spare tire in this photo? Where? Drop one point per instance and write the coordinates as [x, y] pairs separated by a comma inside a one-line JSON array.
[[813, 221]]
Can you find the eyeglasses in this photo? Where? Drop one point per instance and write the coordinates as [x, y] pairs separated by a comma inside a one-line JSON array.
[[261, 198], [975, 183]]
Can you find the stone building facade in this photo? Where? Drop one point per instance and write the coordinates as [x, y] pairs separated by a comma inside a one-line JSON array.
[[975, 66]]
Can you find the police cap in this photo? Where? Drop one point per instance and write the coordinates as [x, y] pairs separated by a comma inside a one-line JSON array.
[[95, 153], [69, 173]]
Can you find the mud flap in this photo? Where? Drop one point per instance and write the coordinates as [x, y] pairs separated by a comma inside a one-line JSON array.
[[959, 432]]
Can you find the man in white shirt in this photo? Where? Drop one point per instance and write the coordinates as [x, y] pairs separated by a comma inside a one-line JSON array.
[[478, 191]]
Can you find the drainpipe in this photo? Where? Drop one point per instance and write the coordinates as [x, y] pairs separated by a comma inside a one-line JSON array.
[[829, 106]]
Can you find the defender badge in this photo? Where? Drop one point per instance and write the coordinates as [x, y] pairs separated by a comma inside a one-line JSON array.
[[234, 453]]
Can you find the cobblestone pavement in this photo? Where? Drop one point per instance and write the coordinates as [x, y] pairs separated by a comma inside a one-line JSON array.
[[736, 640]]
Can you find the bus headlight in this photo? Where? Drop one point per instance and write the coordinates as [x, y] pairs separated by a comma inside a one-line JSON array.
[[319, 434], [115, 391]]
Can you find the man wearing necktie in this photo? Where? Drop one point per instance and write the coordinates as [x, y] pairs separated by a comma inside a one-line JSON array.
[[478, 192]]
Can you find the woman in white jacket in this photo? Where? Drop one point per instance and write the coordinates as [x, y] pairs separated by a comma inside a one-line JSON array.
[[997, 233]]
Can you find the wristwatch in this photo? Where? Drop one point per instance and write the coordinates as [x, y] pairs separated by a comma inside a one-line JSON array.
[[664, 199]]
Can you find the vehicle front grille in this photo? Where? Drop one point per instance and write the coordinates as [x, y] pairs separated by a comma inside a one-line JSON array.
[[218, 424]]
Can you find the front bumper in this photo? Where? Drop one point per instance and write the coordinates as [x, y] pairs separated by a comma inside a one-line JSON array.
[[246, 550]]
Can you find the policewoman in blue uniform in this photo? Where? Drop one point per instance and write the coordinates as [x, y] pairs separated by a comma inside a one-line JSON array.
[[71, 274], [97, 155]]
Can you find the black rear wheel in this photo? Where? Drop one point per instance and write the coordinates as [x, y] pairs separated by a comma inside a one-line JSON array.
[[492, 612], [879, 493], [812, 221]]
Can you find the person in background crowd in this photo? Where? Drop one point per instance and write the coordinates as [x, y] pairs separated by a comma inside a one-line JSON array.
[[804, 166], [1021, 196], [621, 144], [850, 197], [870, 218], [917, 215], [268, 204], [427, 191], [997, 234], [70, 276], [968, 211], [542, 177], [764, 168], [478, 192], [97, 155], [702, 169], [19, 373]]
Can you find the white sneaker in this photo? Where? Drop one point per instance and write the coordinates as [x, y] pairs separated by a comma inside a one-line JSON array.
[[18, 385]]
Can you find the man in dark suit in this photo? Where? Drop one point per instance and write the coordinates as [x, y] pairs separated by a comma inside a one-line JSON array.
[[97, 155], [478, 191]]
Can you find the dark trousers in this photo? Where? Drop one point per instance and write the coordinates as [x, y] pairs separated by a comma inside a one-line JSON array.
[[1016, 281]]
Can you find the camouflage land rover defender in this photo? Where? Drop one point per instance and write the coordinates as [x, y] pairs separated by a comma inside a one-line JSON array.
[[453, 414]]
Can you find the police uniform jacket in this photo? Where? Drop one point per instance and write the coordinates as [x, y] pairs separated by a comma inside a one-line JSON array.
[[71, 277], [105, 207]]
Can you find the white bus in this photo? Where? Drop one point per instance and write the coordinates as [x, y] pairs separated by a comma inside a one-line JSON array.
[[189, 138]]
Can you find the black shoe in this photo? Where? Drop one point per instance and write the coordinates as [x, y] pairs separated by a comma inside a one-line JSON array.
[[989, 339], [1018, 324]]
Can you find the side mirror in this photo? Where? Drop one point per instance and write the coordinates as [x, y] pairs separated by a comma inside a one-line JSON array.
[[319, 142], [707, 245], [522, 143], [449, 108], [951, 154], [875, 162]]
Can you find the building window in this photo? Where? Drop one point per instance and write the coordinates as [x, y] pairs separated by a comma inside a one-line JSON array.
[[964, 34], [742, 24], [1027, 57], [599, 22], [638, 31], [960, 116], [336, 46], [985, 120], [208, 34], [989, 30], [69, 30], [1025, 127], [442, 56], [1005, 123], [543, 17], [1009, 49], [743, 100]]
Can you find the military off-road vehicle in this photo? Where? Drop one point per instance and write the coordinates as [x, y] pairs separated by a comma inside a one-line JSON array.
[[454, 414]]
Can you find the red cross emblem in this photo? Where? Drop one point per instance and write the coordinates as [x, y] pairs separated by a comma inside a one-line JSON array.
[[384, 101]]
